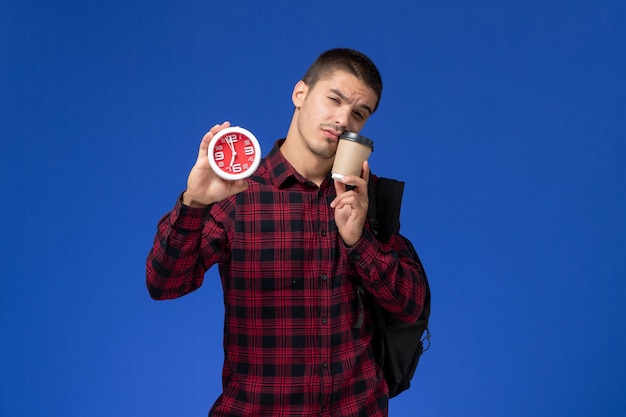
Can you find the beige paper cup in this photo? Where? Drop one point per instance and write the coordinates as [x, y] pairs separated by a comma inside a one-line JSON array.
[[352, 150]]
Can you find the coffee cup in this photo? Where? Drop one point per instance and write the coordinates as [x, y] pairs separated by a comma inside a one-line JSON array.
[[352, 150]]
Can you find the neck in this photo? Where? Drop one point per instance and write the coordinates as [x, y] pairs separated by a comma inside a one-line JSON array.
[[305, 162]]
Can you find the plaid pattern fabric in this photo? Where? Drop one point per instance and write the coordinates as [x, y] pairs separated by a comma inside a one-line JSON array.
[[290, 341]]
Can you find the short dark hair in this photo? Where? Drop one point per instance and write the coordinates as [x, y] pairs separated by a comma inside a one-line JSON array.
[[349, 60]]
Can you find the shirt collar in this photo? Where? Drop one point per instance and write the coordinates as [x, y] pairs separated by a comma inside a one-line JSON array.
[[281, 172]]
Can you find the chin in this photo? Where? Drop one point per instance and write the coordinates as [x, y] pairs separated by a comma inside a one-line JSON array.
[[324, 152]]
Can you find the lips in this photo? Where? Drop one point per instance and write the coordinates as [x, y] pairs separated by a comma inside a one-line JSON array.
[[331, 134]]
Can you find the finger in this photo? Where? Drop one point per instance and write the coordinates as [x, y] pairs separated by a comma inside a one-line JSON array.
[[340, 189], [362, 181], [349, 198], [204, 145], [217, 128], [366, 172], [357, 183]]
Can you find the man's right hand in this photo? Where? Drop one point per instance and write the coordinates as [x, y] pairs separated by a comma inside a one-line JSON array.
[[204, 187]]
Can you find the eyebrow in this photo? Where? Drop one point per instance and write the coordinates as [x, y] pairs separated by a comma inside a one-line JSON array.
[[343, 97]]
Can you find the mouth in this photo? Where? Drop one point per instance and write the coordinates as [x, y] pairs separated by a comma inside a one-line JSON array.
[[332, 134]]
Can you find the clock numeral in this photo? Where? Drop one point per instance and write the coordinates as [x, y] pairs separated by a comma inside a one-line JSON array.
[[218, 156], [219, 147], [237, 168], [248, 150], [251, 159], [232, 138]]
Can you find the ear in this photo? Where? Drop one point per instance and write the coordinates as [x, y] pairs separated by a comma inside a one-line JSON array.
[[299, 93]]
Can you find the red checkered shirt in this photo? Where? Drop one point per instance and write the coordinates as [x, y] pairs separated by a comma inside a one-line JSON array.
[[291, 344]]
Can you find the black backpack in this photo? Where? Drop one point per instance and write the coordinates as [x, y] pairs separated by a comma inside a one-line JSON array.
[[397, 345]]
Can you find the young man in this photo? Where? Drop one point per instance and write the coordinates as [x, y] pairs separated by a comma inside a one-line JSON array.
[[292, 245]]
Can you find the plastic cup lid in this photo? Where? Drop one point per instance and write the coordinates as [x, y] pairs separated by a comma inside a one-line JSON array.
[[355, 137]]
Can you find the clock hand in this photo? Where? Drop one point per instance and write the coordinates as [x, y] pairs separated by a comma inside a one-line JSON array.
[[230, 144], [229, 141]]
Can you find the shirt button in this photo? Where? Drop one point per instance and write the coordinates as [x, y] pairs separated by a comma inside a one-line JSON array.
[[323, 232], [324, 277], [324, 365], [324, 320], [357, 257]]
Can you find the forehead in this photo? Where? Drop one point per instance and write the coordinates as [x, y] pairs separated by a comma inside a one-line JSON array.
[[349, 85]]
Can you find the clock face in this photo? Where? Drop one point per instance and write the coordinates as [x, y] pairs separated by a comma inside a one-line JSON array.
[[234, 154]]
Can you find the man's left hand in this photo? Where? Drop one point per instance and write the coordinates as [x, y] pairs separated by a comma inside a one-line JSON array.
[[351, 206]]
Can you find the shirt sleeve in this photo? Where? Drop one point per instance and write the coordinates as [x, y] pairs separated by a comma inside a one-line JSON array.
[[177, 262], [391, 274]]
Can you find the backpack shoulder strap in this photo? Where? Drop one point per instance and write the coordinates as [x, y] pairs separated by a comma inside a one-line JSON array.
[[385, 201]]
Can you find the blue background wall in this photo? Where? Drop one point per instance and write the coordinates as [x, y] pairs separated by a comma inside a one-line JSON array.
[[506, 119]]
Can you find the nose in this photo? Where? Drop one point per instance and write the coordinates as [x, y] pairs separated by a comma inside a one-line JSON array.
[[342, 116]]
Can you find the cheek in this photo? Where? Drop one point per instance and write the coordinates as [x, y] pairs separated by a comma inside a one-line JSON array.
[[304, 122], [313, 115], [355, 125], [322, 109]]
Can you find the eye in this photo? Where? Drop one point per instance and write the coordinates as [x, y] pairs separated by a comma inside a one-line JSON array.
[[335, 99], [359, 115]]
